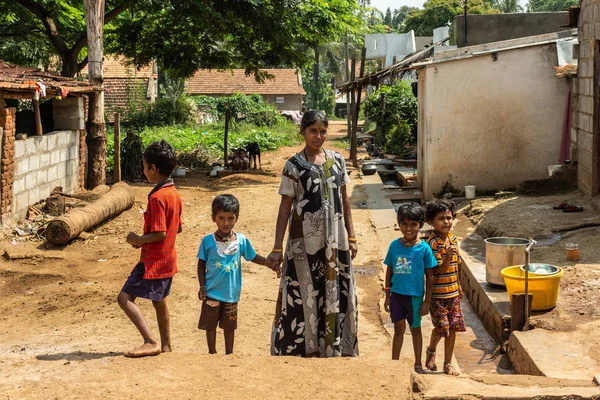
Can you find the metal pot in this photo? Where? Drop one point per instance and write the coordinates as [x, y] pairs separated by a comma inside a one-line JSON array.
[[500, 253], [369, 169]]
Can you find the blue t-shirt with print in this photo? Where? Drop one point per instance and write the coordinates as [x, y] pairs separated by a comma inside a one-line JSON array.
[[408, 267], [223, 266]]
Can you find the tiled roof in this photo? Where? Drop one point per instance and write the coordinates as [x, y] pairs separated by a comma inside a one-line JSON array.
[[211, 82], [117, 67]]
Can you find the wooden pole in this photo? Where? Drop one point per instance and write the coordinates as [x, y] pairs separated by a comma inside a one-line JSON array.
[[351, 94], [38, 118], [354, 144], [117, 148], [518, 313]]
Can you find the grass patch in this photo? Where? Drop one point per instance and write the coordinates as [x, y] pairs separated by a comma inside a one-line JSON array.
[[341, 143], [186, 138]]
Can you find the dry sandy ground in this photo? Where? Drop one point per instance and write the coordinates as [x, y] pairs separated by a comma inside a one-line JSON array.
[[577, 310], [62, 333]]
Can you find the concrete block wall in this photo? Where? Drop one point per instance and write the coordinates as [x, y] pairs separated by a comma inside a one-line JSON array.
[[7, 161], [584, 134], [43, 163]]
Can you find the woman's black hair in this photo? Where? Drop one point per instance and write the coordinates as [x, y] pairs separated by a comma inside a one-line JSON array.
[[411, 211], [226, 203], [162, 155], [312, 116], [434, 207]]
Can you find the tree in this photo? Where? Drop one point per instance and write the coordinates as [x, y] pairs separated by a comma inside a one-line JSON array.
[[55, 27], [400, 15], [388, 17], [507, 6], [96, 127], [325, 100], [436, 13], [550, 5]]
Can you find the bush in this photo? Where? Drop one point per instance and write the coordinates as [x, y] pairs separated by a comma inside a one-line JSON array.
[[162, 112], [253, 108], [397, 120]]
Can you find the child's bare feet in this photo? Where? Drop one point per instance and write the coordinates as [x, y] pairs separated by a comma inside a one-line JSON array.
[[147, 349], [166, 349], [449, 369], [430, 360], [419, 369]]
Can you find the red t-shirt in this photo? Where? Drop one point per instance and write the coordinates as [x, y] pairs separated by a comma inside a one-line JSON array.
[[163, 214]]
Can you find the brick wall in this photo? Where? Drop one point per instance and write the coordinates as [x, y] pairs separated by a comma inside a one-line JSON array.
[[7, 163], [120, 92], [43, 163], [584, 134]]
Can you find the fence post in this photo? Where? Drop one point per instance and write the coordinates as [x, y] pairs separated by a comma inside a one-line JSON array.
[[117, 149]]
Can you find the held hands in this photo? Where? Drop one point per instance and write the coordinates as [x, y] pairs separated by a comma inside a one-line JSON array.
[[353, 249], [202, 293], [424, 309], [274, 260], [134, 240]]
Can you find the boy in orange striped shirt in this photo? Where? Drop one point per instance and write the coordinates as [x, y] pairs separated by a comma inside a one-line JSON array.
[[446, 312]]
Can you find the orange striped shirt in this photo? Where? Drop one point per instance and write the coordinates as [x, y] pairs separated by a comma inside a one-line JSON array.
[[445, 283]]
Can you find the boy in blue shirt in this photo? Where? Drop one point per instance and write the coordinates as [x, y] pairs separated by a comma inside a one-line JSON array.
[[219, 272], [408, 260]]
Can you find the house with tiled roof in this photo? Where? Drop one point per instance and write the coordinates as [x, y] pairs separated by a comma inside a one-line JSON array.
[[284, 91], [126, 85]]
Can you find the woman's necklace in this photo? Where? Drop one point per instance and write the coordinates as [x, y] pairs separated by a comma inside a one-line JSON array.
[[409, 243], [224, 238]]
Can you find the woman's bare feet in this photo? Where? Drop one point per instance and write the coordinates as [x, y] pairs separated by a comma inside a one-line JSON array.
[[147, 349], [166, 349], [449, 369], [419, 369], [430, 360]]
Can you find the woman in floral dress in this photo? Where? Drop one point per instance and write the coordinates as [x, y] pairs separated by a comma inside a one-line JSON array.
[[317, 313]]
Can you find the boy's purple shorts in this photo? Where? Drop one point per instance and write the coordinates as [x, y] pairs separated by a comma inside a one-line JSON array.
[[151, 289]]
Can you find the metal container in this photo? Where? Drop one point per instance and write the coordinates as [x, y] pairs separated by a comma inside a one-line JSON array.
[[500, 253], [369, 169]]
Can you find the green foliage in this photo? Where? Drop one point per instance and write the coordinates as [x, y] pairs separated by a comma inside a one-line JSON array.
[[397, 120], [189, 138], [251, 108], [436, 13], [507, 6], [550, 5], [325, 93], [400, 15], [160, 113]]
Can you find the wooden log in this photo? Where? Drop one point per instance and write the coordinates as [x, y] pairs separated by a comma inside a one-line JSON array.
[[518, 316], [66, 228], [38, 118], [117, 148], [55, 205]]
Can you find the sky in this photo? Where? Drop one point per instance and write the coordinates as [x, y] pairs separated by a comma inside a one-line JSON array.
[[393, 4]]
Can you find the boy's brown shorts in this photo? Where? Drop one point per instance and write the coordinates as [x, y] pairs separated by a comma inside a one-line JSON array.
[[215, 313]]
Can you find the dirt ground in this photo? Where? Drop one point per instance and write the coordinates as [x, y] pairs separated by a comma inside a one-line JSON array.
[[534, 217], [62, 334]]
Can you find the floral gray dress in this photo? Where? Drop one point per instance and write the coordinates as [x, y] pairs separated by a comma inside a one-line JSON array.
[[317, 313]]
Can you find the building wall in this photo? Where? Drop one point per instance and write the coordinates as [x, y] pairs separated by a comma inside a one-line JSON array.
[[292, 102], [497, 27], [43, 163], [490, 123], [585, 130], [121, 92], [7, 162]]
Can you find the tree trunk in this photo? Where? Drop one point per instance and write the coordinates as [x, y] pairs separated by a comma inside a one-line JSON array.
[[354, 144], [225, 138], [66, 228], [316, 80], [350, 101], [347, 73], [96, 127]]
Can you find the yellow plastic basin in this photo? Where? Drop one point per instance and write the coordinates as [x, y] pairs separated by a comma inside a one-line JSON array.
[[543, 287]]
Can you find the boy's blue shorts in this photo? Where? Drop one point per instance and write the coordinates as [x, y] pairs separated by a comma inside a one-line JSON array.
[[406, 307]]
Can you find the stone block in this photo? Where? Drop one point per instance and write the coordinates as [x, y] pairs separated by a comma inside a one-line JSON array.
[[54, 157], [22, 201], [585, 159], [44, 160], [41, 142], [61, 139], [61, 170], [64, 155], [34, 195], [42, 176], [19, 185], [53, 173], [34, 162], [69, 124], [51, 139], [72, 167], [31, 148], [20, 148], [22, 166], [74, 153], [30, 180], [45, 190]]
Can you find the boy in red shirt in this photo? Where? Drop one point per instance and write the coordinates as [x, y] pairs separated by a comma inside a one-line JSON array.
[[152, 276]]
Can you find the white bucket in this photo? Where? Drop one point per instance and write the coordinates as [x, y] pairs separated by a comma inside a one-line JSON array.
[[470, 192], [553, 168]]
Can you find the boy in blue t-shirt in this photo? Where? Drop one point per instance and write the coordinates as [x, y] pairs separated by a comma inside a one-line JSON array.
[[408, 260], [219, 272]]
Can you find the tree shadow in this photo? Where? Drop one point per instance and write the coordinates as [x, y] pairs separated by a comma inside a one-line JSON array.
[[77, 356]]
